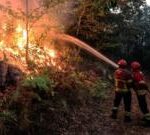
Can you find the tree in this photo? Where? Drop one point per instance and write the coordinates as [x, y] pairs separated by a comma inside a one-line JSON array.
[[113, 24]]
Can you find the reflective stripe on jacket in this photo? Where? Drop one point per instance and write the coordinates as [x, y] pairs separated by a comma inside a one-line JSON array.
[[141, 92]]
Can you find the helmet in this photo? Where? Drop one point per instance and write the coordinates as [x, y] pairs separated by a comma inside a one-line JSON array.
[[135, 65], [122, 63]]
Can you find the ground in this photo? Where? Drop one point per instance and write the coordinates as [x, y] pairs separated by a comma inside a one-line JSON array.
[[94, 119]]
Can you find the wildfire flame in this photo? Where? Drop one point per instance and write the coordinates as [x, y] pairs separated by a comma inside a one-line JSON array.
[[21, 36], [40, 56], [52, 53]]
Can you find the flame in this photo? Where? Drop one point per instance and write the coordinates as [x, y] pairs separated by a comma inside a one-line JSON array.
[[60, 68], [19, 28], [21, 37], [41, 57], [53, 62], [2, 44], [4, 27], [52, 53], [24, 34]]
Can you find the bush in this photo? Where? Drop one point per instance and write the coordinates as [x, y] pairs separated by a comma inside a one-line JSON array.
[[41, 84], [8, 121], [99, 89]]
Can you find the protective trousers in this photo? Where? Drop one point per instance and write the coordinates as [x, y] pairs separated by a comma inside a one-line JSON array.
[[143, 104], [127, 101]]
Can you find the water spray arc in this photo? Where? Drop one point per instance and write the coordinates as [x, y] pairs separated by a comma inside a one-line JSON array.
[[86, 47]]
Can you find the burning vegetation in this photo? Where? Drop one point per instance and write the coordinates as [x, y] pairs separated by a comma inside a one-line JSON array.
[[24, 36], [13, 49]]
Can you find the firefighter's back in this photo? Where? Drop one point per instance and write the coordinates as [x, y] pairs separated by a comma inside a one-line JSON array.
[[122, 76]]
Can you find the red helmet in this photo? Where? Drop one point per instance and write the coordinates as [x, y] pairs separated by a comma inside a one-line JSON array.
[[122, 63], [135, 65]]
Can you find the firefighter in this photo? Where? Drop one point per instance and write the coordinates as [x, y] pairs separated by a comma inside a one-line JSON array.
[[141, 89], [122, 91]]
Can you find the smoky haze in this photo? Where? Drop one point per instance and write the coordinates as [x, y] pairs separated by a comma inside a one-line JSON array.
[[62, 14], [20, 4]]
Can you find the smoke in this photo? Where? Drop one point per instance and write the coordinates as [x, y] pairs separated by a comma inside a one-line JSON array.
[[62, 15], [65, 14], [19, 4]]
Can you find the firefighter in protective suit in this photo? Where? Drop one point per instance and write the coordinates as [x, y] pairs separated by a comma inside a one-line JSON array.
[[122, 90], [141, 88]]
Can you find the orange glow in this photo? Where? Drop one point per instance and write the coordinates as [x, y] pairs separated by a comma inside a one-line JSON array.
[[4, 27], [53, 62], [59, 67], [52, 53], [16, 54], [21, 36], [19, 28], [1, 44]]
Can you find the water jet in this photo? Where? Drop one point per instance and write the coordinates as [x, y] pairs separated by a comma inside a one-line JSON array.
[[86, 47]]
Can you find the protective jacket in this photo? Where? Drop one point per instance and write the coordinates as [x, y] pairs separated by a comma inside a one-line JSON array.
[[122, 79], [139, 83]]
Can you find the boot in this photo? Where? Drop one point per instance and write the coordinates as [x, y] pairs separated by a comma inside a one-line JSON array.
[[127, 119], [114, 114]]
